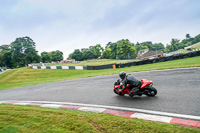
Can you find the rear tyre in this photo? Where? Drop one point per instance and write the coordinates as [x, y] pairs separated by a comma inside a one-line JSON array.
[[151, 91]]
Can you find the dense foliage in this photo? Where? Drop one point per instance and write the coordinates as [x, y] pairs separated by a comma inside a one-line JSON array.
[[22, 52], [124, 49]]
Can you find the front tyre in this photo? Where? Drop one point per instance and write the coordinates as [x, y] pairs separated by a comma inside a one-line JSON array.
[[151, 91], [121, 94]]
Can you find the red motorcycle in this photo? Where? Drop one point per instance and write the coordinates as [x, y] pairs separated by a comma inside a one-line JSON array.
[[146, 88]]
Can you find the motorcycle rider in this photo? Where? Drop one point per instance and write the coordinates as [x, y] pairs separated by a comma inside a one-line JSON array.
[[134, 83]]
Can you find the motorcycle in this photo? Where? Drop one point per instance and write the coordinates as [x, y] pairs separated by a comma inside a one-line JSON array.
[[146, 88]]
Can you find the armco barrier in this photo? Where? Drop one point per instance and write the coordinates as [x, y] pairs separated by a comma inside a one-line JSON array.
[[59, 67], [100, 67], [161, 59]]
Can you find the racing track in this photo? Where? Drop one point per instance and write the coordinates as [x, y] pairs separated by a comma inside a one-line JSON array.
[[178, 92]]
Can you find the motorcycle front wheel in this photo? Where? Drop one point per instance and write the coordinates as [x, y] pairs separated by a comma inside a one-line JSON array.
[[151, 91], [121, 94]]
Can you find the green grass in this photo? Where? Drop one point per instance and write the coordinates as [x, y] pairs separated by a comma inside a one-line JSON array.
[[29, 119], [196, 46], [179, 51], [26, 77]]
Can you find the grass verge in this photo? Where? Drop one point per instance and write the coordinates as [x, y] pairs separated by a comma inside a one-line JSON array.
[[29, 119], [26, 77]]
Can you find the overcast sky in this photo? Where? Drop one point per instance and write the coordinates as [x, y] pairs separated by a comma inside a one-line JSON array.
[[66, 25]]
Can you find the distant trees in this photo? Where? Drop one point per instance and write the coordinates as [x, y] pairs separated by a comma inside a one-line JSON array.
[[5, 56], [19, 53], [22, 52], [77, 55], [54, 56], [110, 51], [96, 50], [93, 52], [45, 57], [157, 46], [124, 49], [176, 44]]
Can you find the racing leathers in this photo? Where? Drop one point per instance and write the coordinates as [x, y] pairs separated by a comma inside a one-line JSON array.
[[134, 84]]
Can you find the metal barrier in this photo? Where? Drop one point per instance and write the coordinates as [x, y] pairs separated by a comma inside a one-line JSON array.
[[149, 61]]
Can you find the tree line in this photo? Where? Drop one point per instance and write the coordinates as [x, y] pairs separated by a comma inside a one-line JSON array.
[[124, 49], [22, 52]]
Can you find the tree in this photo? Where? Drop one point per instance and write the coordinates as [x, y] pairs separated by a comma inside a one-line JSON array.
[[125, 50], [174, 43], [23, 52], [46, 57], [140, 47], [96, 50], [187, 36], [148, 44], [17, 53], [107, 54], [4, 47], [56, 55], [113, 47], [87, 54], [196, 39], [157, 46], [5, 56], [168, 48], [31, 56], [77, 55]]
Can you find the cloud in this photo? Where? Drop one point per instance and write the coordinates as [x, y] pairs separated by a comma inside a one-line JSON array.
[[67, 25]]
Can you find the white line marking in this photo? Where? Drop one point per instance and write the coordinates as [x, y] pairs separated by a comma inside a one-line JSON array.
[[92, 109], [51, 105], [151, 117], [21, 103], [123, 108]]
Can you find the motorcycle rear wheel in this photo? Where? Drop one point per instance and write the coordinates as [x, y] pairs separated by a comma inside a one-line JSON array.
[[151, 91]]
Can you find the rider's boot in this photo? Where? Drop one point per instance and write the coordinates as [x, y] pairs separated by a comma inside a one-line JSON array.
[[133, 92]]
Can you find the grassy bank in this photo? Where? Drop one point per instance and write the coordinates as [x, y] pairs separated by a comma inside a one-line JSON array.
[[26, 77], [26, 119]]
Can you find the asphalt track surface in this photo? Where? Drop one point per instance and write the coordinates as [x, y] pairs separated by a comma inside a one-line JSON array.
[[178, 92]]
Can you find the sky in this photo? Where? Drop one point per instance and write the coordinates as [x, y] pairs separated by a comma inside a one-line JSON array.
[[67, 25]]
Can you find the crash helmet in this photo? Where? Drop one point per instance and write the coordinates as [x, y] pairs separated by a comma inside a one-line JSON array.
[[122, 75]]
